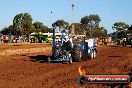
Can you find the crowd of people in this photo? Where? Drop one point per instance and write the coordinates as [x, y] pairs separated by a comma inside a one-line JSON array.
[[12, 39]]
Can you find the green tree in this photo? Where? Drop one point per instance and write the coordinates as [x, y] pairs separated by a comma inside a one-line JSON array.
[[12, 30], [22, 23], [89, 23], [61, 24], [78, 28], [5, 31], [8, 30], [32, 29], [27, 23], [100, 32], [120, 26], [40, 27], [130, 29], [121, 29]]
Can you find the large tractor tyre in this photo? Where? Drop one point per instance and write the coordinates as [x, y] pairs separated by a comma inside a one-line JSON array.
[[93, 54], [76, 53]]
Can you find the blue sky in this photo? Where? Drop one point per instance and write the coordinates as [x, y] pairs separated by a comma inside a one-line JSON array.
[[110, 11]]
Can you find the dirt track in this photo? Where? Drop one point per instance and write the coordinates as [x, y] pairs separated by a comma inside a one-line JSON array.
[[27, 70]]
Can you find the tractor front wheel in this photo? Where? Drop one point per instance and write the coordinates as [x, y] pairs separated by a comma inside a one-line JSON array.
[[70, 60], [93, 54]]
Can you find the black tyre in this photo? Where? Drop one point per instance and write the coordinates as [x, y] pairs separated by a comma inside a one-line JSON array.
[[76, 53]]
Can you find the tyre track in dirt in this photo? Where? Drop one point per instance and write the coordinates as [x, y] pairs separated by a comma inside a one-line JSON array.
[[21, 72]]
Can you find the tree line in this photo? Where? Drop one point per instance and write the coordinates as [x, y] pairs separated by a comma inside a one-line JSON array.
[[89, 25], [23, 25], [121, 29]]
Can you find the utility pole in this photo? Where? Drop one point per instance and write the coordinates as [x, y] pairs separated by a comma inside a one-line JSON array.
[[54, 45], [72, 26]]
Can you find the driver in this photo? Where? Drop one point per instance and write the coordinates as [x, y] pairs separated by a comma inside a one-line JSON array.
[[67, 45]]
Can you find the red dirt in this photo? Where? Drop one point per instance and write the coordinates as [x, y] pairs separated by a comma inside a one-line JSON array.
[[28, 70]]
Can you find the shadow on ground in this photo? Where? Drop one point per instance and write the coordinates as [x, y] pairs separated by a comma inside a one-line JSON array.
[[40, 58], [44, 59]]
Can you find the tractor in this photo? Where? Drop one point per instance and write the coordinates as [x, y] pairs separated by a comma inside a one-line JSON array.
[[127, 40], [38, 38], [68, 51]]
